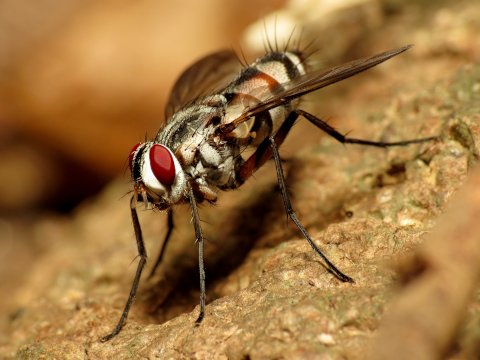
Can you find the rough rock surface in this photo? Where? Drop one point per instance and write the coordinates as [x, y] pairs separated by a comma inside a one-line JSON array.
[[269, 297]]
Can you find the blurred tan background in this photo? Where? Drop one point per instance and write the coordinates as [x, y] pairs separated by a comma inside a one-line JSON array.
[[82, 81]]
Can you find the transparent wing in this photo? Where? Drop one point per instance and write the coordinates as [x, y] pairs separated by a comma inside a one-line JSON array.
[[211, 72], [308, 83]]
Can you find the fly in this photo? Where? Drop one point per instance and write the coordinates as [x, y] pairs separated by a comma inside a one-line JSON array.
[[216, 140]]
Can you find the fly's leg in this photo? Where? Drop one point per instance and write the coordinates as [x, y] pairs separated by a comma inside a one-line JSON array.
[[201, 266], [347, 140], [269, 148], [264, 150], [165, 242], [141, 264], [291, 214]]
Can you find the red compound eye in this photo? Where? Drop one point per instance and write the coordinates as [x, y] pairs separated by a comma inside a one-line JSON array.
[[162, 164], [130, 157]]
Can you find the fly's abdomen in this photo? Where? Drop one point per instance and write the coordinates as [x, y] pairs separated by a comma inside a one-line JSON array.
[[255, 84]]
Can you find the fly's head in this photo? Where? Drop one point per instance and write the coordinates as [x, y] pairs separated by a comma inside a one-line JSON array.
[[158, 176]]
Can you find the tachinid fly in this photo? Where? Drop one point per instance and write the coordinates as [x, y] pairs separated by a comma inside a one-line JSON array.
[[215, 140]]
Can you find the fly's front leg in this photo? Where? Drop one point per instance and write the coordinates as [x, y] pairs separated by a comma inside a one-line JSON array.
[[170, 226], [347, 140], [141, 264], [201, 266], [291, 214]]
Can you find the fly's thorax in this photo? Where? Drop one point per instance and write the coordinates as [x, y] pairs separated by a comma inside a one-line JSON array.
[[191, 128], [207, 161], [209, 164], [157, 174], [191, 120]]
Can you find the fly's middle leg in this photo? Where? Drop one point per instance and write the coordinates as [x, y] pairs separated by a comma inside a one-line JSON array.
[[265, 151]]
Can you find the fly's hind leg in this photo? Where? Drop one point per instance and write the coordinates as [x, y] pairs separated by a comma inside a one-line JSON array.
[[322, 125]]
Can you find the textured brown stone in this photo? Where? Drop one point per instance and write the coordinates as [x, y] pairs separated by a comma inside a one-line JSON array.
[[269, 296]]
